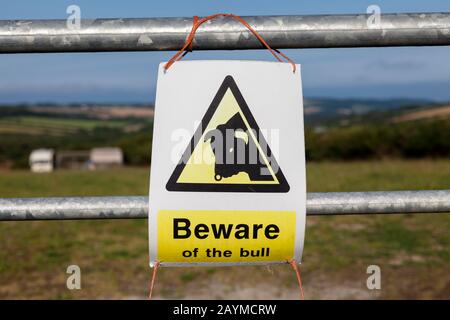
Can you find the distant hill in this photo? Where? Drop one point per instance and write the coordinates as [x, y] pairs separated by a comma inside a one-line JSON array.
[[97, 112], [318, 111], [423, 113], [85, 110], [335, 129], [330, 111]]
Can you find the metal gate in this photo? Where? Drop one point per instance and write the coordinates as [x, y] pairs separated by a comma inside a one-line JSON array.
[[159, 34]]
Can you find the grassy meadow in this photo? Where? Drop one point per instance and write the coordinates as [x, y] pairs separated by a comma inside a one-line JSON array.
[[53, 126], [412, 250]]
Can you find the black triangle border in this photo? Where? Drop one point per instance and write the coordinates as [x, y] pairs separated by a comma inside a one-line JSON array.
[[172, 184]]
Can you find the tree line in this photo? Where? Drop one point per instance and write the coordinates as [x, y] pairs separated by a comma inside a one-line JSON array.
[[402, 140]]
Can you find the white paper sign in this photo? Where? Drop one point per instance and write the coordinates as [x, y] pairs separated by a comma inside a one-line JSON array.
[[227, 179]]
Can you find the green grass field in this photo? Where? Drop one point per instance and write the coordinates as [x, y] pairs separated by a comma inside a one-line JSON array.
[[412, 250], [54, 126]]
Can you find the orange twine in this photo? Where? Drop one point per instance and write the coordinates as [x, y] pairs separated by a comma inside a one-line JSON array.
[[187, 47], [294, 265], [152, 282]]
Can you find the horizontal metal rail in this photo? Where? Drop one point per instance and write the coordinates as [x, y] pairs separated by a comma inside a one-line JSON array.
[[157, 34], [328, 203]]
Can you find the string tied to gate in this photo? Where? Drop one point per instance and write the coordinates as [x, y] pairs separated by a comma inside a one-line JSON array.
[[153, 280], [197, 22], [294, 266]]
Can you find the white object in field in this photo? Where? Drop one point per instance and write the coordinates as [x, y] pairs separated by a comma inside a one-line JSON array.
[[106, 157], [41, 160], [204, 211]]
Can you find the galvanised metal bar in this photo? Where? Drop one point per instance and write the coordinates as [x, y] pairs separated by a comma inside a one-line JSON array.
[[157, 34], [328, 203]]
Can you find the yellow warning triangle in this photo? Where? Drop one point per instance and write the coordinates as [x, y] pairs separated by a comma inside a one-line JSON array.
[[228, 153]]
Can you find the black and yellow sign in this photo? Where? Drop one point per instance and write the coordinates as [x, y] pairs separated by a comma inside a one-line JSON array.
[[228, 152], [224, 236], [228, 182]]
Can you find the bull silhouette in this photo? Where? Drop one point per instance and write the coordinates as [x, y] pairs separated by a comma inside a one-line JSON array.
[[235, 151]]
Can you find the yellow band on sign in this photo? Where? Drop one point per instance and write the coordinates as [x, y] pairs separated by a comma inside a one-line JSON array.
[[225, 236]]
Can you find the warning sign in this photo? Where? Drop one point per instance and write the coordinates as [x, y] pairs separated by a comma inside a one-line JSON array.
[[228, 166], [225, 236], [243, 162]]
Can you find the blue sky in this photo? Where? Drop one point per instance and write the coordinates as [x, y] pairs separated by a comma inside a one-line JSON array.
[[412, 72]]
